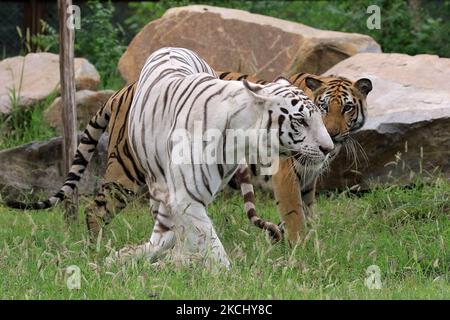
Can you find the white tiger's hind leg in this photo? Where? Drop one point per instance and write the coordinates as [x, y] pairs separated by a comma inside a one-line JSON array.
[[196, 236], [162, 237]]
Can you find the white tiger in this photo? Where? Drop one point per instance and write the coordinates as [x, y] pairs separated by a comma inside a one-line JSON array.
[[177, 88]]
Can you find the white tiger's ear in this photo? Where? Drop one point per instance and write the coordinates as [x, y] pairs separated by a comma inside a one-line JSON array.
[[260, 98], [253, 87], [255, 90], [282, 80]]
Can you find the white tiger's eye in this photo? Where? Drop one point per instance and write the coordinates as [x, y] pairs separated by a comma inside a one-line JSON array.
[[302, 122]]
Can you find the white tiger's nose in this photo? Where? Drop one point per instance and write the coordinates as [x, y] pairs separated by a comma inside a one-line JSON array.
[[326, 145], [326, 150]]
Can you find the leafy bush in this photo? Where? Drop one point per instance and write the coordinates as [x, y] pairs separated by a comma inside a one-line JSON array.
[[100, 41], [47, 40]]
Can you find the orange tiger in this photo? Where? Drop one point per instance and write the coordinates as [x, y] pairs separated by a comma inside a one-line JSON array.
[[345, 111]]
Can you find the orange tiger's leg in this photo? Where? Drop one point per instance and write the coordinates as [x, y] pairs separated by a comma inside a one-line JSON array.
[[110, 201], [287, 194], [115, 193], [308, 198]]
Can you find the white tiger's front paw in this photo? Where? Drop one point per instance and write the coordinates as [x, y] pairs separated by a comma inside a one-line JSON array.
[[112, 259], [127, 253], [218, 264]]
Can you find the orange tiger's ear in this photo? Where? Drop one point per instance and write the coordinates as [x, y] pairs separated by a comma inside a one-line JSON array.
[[364, 85], [313, 83]]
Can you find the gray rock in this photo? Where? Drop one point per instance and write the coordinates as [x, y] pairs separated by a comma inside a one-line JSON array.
[[87, 102], [37, 166], [407, 131], [36, 76]]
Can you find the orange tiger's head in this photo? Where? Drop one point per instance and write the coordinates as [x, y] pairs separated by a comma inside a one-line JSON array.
[[343, 101]]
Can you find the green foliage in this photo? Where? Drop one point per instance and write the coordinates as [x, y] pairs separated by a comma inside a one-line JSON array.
[[100, 41], [24, 125], [404, 28], [410, 30], [47, 40], [25, 40], [144, 12]]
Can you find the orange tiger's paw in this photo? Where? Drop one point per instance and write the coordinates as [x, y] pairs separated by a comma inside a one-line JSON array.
[[93, 227]]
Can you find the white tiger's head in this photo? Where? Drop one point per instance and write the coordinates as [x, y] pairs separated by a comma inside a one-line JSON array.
[[298, 120]]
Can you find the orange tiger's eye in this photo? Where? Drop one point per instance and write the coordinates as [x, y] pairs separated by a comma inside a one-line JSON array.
[[347, 107]]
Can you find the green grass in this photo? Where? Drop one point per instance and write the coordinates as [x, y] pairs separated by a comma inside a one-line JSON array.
[[24, 125], [406, 232]]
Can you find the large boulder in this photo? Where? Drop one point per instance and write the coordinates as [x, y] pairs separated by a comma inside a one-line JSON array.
[[88, 103], [36, 76], [38, 167], [236, 40], [407, 131]]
